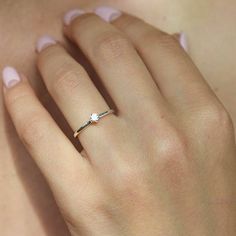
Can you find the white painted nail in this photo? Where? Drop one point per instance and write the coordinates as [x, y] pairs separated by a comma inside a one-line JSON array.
[[45, 42], [71, 15], [10, 77], [108, 13], [183, 41]]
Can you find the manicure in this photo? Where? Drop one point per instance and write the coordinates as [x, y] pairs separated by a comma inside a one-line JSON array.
[[183, 41], [45, 42], [108, 13], [71, 15], [10, 77]]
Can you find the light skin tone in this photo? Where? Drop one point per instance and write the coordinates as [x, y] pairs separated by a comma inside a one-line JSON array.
[[168, 165], [26, 203]]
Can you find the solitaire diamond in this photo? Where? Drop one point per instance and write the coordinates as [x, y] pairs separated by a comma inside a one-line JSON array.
[[94, 118]]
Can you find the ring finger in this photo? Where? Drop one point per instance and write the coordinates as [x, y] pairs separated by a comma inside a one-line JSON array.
[[76, 95]]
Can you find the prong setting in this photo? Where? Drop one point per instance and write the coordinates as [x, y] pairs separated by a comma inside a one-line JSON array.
[[94, 118]]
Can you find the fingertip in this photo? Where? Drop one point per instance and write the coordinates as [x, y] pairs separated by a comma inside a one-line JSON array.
[[183, 41], [44, 42], [108, 13], [71, 15], [176, 36], [10, 77]]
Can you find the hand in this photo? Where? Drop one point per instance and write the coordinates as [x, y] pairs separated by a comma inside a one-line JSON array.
[[164, 164]]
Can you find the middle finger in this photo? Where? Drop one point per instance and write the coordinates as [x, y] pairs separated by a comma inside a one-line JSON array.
[[118, 64]]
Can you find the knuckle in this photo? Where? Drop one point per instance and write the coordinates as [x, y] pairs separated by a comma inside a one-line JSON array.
[[67, 80], [171, 145], [173, 158], [14, 99], [167, 40], [111, 46], [153, 37], [213, 117], [147, 36], [32, 131], [18, 95]]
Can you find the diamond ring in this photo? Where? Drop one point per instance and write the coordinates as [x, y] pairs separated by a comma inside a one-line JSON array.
[[94, 118]]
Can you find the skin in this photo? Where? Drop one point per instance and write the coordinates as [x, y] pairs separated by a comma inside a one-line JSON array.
[[157, 172], [19, 174]]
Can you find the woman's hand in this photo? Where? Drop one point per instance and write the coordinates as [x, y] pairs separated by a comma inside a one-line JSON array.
[[164, 164]]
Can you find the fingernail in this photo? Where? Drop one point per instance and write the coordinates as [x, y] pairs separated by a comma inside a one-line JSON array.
[[183, 41], [10, 77], [71, 15], [108, 13], [45, 42]]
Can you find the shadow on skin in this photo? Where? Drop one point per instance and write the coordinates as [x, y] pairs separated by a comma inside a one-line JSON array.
[[35, 186], [29, 174]]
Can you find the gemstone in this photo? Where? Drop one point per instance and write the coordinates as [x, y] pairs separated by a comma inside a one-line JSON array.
[[94, 117]]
